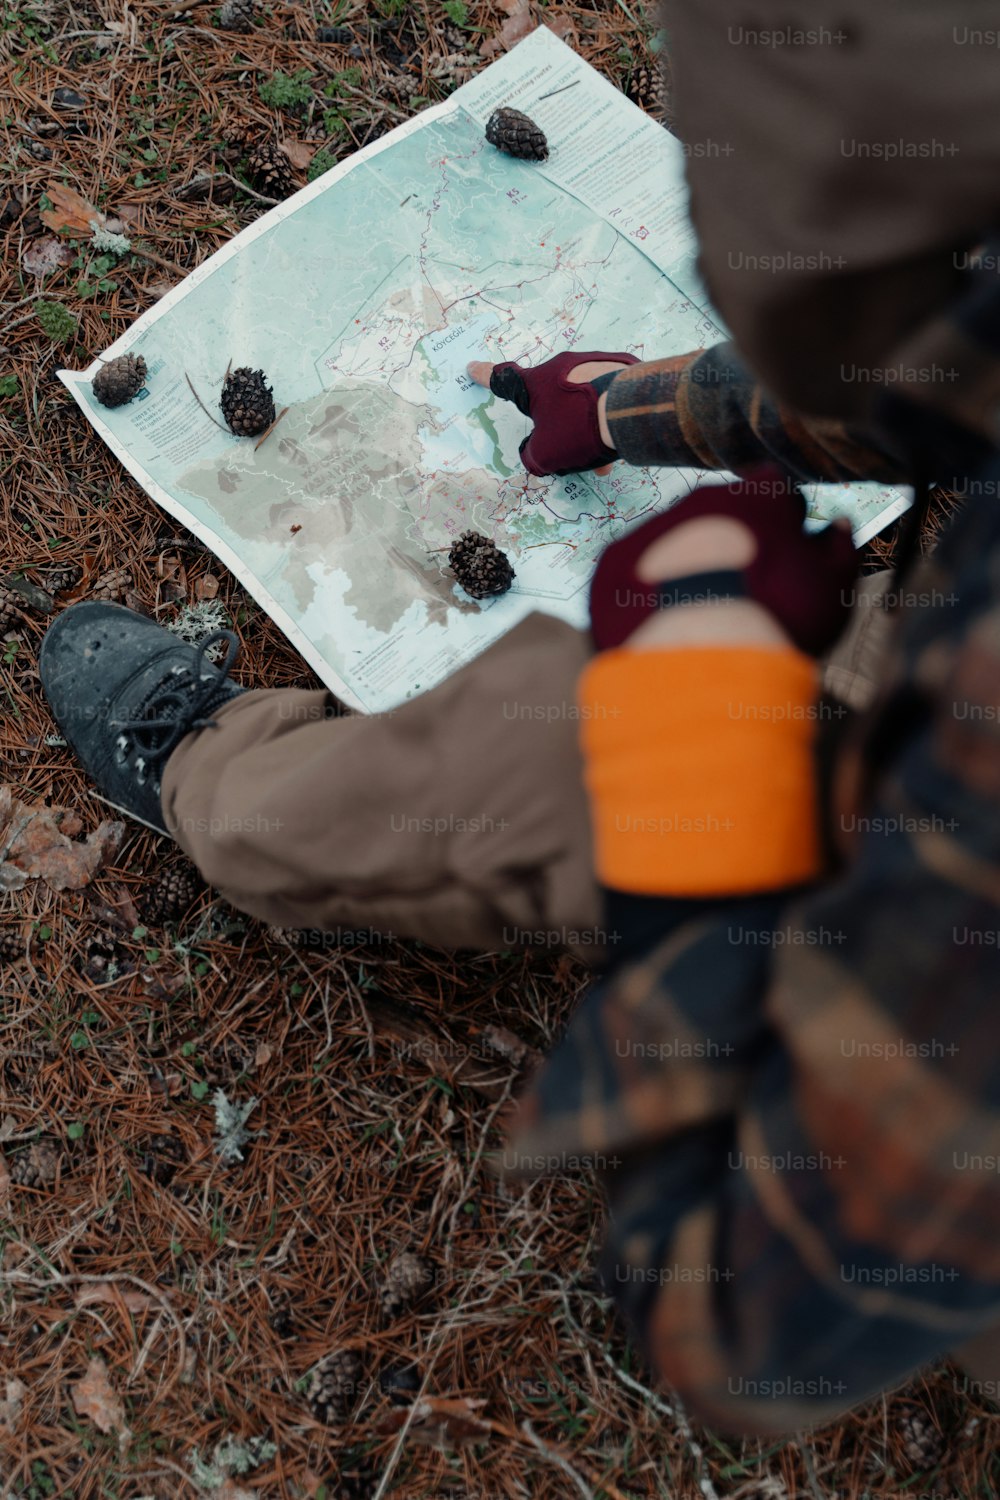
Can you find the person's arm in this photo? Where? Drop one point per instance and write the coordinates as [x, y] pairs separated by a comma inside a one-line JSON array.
[[706, 410], [697, 410], [795, 1113]]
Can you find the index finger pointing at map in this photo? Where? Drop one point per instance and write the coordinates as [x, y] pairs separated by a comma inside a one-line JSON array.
[[480, 370]]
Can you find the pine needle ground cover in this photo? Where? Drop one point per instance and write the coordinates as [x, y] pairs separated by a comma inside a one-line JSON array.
[[250, 1241]]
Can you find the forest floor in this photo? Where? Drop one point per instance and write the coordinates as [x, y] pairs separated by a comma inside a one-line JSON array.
[[162, 1309]]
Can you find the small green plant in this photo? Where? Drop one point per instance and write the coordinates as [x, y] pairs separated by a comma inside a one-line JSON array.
[[42, 1483], [346, 78], [288, 91], [334, 122], [10, 385], [321, 162], [57, 322], [457, 12]]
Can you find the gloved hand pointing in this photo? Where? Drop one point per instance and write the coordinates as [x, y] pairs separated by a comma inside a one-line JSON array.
[[563, 403]]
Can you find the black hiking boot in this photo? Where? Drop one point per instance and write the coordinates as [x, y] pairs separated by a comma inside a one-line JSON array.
[[125, 692]]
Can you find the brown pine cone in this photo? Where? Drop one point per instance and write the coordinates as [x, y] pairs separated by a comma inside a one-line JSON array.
[[172, 894], [511, 131], [923, 1444], [408, 1279], [644, 87], [281, 1319], [269, 170], [112, 585], [10, 608], [38, 1165], [62, 577], [12, 944], [334, 1384], [479, 565]]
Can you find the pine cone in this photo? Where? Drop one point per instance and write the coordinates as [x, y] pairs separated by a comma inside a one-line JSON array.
[[511, 131], [923, 1445], [38, 1166], [408, 1278], [12, 945], [172, 894], [119, 380], [479, 565], [62, 577], [105, 955], [10, 608], [645, 88], [269, 170], [247, 402], [334, 1384], [112, 585], [162, 1155], [238, 15], [281, 1319]]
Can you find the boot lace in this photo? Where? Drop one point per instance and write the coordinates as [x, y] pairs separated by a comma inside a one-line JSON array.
[[181, 702]]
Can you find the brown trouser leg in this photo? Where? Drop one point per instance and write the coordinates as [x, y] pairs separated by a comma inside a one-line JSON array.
[[459, 818]]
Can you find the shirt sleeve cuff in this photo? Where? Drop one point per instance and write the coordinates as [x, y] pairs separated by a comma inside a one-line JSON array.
[[642, 415]]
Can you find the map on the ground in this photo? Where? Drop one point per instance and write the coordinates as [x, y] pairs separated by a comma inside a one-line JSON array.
[[363, 298]]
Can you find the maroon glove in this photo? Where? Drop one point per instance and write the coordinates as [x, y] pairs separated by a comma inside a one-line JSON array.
[[805, 579], [566, 437]]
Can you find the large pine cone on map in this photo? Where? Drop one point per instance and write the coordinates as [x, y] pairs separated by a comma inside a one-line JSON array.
[[119, 380], [479, 565], [511, 131], [247, 402]]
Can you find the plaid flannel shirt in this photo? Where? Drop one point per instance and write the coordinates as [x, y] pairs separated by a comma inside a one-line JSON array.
[[798, 1121]]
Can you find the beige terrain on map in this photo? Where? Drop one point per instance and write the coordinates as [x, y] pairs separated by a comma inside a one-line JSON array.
[[339, 483]]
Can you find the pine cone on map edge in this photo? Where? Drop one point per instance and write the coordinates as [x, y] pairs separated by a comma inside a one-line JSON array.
[[238, 15], [513, 132], [333, 1385], [479, 565], [171, 894], [119, 380], [247, 402], [645, 88], [269, 170]]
